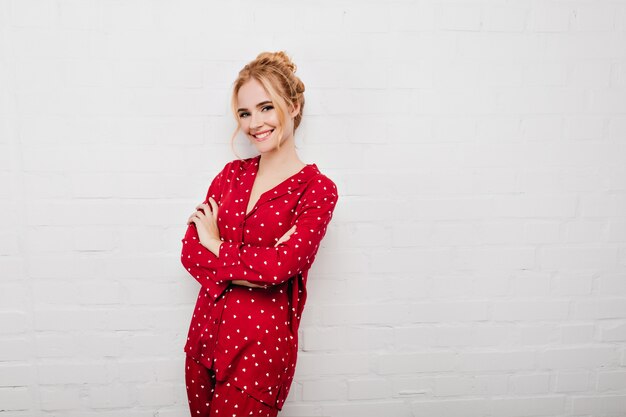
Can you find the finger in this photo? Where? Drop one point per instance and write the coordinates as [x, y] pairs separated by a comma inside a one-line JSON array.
[[286, 236], [214, 206], [203, 207]]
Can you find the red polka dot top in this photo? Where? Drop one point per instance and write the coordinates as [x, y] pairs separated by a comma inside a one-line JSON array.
[[249, 336]]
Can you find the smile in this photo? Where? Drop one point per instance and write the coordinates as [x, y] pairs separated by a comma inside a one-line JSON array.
[[263, 135]]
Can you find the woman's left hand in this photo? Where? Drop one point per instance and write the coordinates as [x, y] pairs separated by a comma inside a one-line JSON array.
[[205, 219], [245, 283]]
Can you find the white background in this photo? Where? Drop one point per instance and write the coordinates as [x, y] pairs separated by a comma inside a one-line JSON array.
[[476, 262]]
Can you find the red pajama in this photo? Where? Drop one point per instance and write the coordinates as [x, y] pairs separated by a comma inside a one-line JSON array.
[[210, 398], [242, 343]]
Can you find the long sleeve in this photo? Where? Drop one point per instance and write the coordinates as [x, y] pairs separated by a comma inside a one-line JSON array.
[[275, 265], [197, 260]]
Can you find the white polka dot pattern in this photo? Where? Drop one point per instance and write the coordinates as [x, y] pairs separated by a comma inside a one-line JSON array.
[[248, 336]]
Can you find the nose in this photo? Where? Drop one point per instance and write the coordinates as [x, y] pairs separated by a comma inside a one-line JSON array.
[[255, 120]]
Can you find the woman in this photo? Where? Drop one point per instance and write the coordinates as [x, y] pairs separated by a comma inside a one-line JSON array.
[[250, 245]]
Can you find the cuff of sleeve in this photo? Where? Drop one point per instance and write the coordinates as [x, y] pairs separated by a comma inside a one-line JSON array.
[[213, 261], [229, 254], [216, 289], [196, 246], [228, 260]]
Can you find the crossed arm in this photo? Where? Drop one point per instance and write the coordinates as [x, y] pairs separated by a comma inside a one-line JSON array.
[[215, 262], [245, 283], [208, 233]]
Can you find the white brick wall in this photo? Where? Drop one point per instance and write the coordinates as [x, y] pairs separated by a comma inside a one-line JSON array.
[[476, 264]]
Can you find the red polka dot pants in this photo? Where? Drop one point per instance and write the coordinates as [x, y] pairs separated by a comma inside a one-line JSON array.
[[210, 398]]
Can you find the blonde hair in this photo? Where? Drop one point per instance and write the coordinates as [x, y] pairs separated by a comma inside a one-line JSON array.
[[276, 73]]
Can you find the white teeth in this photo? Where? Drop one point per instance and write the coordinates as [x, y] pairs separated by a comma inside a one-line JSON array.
[[263, 135]]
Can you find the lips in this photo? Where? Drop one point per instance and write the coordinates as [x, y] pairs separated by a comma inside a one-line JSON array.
[[261, 136]]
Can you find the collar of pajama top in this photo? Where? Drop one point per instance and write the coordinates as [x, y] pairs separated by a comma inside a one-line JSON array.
[[306, 199], [248, 169]]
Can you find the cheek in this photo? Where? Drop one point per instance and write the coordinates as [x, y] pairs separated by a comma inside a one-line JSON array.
[[272, 120]]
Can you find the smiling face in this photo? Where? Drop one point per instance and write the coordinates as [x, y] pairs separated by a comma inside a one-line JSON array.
[[260, 119]]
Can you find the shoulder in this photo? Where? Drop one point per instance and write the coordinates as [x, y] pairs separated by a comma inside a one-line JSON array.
[[320, 186], [232, 167], [247, 162], [323, 182]]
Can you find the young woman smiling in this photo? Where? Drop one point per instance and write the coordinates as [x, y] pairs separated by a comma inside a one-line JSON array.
[[250, 245]]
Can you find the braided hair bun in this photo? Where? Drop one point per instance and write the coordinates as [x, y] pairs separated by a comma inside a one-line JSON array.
[[278, 59]]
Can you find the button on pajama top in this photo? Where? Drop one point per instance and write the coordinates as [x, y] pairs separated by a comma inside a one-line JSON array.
[[249, 336]]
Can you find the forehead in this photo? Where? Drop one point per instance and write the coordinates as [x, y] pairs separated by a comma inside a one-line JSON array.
[[251, 93]]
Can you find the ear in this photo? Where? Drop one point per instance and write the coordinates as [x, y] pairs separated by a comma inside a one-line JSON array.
[[295, 111]]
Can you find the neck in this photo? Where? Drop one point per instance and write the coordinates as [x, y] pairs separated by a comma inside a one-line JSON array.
[[279, 159]]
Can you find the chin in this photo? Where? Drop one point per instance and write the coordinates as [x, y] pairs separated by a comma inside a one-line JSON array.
[[263, 147]]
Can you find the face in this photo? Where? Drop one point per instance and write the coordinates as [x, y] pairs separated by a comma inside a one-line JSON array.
[[258, 117]]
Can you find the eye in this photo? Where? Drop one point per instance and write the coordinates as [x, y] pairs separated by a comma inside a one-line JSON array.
[[243, 114], [267, 108]]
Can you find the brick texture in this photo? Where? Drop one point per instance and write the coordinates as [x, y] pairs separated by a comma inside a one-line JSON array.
[[476, 263]]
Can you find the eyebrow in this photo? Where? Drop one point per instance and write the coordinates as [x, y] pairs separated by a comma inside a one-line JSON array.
[[258, 105]]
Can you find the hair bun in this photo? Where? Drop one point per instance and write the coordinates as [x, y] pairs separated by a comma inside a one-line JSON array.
[[279, 59], [299, 86]]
